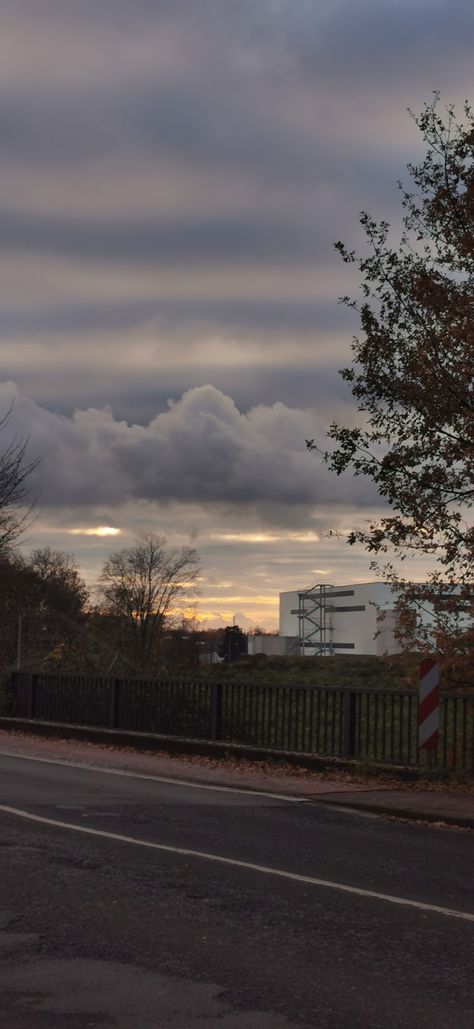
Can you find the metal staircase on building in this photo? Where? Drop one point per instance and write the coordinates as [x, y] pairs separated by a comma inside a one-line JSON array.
[[315, 623]]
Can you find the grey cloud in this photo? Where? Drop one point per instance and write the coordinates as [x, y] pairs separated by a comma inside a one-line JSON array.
[[296, 107], [363, 39], [208, 128], [201, 450], [143, 394], [173, 241], [99, 12], [217, 109], [268, 22], [270, 314], [300, 387]]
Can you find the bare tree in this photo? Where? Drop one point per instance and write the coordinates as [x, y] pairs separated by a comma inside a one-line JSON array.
[[139, 588], [14, 473]]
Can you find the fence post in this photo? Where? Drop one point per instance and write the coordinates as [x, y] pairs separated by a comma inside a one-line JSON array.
[[216, 710], [349, 701], [12, 694], [114, 702], [32, 692]]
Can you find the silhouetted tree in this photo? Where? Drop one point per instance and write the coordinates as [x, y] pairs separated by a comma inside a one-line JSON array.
[[413, 378], [14, 473], [58, 583], [139, 589]]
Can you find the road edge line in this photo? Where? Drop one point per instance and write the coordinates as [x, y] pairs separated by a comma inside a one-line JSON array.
[[196, 785]]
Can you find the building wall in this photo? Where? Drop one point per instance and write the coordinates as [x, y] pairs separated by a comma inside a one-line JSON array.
[[288, 625], [350, 631], [272, 645]]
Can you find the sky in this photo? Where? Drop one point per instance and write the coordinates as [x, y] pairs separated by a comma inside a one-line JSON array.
[[173, 176]]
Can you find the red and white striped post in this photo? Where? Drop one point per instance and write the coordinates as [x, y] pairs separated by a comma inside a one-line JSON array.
[[428, 705]]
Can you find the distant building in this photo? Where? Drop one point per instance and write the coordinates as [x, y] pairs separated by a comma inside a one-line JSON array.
[[272, 646], [356, 619]]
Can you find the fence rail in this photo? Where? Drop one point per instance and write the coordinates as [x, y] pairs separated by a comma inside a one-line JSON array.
[[331, 721]]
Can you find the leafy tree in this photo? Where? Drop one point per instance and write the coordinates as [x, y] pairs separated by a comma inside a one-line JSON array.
[[138, 590], [413, 378]]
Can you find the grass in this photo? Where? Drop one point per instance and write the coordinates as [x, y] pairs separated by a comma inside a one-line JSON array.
[[394, 672]]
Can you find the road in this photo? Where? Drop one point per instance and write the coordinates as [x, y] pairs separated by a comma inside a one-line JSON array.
[[120, 915]]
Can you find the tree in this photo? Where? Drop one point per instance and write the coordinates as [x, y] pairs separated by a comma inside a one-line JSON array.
[[42, 608], [58, 583], [14, 473], [413, 377], [233, 644], [138, 590]]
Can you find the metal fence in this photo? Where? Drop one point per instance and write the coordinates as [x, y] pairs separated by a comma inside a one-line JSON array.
[[367, 724]]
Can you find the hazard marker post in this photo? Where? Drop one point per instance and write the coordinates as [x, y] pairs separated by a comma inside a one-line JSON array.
[[428, 705]]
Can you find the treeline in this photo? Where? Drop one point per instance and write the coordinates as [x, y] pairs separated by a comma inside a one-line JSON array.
[[127, 623]]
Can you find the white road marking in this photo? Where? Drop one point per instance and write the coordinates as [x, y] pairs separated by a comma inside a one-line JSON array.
[[234, 863], [156, 778]]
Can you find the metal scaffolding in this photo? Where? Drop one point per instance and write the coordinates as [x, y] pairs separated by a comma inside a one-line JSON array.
[[314, 626], [315, 622]]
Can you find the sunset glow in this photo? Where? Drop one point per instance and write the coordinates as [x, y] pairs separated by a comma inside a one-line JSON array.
[[99, 530], [265, 537]]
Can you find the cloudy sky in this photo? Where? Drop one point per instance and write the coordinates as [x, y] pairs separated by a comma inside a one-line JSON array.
[[173, 174]]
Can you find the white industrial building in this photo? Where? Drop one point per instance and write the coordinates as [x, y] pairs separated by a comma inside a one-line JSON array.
[[360, 618], [355, 619]]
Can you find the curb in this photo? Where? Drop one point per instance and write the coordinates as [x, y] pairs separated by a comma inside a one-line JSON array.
[[204, 748], [457, 821]]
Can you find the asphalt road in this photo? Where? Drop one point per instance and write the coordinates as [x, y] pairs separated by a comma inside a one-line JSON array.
[[108, 920]]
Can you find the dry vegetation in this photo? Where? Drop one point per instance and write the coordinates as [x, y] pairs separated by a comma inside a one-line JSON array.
[[391, 672]]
